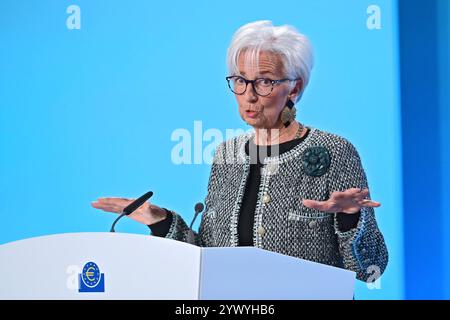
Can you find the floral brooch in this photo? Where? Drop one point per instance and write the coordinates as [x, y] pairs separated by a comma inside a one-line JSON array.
[[316, 161]]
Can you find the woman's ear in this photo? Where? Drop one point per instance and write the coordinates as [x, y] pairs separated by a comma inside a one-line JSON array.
[[298, 88]]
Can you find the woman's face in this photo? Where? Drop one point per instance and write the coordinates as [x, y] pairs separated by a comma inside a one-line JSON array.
[[263, 112]]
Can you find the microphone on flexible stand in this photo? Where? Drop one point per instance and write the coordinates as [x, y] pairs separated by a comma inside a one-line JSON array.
[[132, 207], [198, 208]]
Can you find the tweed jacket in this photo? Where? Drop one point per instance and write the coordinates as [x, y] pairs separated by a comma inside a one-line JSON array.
[[321, 164]]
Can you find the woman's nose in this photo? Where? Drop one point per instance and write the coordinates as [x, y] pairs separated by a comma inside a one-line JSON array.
[[250, 94]]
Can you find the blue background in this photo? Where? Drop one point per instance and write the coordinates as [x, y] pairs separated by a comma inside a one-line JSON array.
[[90, 113]]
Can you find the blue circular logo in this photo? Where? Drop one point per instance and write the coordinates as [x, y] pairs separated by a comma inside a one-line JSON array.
[[91, 274]]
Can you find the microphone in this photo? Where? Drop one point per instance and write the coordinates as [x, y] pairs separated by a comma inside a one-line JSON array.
[[129, 209], [198, 208]]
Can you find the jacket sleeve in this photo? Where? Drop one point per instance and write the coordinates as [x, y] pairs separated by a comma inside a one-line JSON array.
[[179, 229], [362, 248]]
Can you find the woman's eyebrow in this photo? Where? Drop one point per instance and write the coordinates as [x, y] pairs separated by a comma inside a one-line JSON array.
[[266, 72], [242, 73]]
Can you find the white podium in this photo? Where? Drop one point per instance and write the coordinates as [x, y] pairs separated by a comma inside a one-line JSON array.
[[130, 266]]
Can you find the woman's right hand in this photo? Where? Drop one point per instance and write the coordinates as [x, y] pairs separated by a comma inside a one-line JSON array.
[[146, 214]]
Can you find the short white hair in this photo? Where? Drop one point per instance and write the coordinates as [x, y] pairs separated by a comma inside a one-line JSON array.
[[294, 49]]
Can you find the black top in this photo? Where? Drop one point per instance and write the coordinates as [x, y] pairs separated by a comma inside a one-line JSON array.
[[247, 213]]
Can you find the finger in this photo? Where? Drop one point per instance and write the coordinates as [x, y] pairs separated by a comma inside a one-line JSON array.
[[318, 205], [97, 204], [353, 190], [357, 192], [350, 192], [360, 198], [311, 203], [363, 191], [338, 195], [361, 195], [114, 198], [114, 201], [105, 207], [109, 198], [101, 206], [369, 203], [110, 209]]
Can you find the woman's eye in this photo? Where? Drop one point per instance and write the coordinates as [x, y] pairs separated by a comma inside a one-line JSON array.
[[240, 81], [265, 82]]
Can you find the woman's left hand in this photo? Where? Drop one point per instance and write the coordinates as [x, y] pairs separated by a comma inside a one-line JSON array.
[[348, 201]]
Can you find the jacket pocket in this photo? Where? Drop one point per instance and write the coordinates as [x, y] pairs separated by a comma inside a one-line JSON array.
[[310, 234]]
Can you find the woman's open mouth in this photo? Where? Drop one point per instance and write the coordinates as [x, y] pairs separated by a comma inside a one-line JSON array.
[[251, 114]]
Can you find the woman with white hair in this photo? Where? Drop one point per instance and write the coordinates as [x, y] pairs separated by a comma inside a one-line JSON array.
[[286, 187]]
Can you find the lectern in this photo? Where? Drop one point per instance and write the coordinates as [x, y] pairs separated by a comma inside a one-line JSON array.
[[131, 266]]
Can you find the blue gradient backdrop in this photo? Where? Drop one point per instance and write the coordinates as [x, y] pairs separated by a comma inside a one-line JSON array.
[[89, 113]]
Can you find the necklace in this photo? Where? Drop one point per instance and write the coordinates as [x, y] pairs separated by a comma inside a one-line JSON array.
[[299, 132]]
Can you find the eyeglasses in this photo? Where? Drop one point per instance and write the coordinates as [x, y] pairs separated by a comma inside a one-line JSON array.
[[262, 86]]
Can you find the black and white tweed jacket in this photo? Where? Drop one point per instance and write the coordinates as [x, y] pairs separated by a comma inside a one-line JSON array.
[[282, 224]]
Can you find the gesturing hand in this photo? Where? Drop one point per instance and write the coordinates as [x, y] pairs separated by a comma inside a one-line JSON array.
[[348, 201], [146, 214]]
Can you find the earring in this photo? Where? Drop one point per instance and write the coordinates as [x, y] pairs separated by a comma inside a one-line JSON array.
[[288, 113]]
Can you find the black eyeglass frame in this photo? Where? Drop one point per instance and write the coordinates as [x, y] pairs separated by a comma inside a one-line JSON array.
[[273, 82]]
